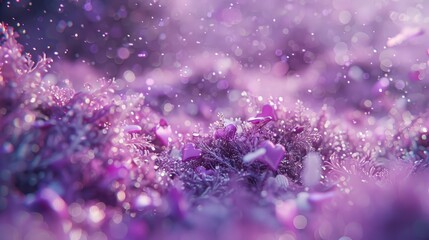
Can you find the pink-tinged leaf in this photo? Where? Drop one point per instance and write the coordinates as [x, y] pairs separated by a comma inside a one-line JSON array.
[[190, 152]]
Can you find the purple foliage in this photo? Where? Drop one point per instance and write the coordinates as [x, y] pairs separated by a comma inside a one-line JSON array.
[[145, 157]]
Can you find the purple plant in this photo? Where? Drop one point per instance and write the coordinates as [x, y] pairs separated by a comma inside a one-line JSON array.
[[177, 146], [75, 145]]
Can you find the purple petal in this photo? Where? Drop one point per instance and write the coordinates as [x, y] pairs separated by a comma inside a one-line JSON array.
[[225, 133], [274, 154], [267, 114], [267, 153], [190, 152], [163, 122], [268, 111], [163, 132], [132, 128], [258, 120]]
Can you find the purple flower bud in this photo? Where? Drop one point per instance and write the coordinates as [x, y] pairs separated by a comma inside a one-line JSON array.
[[163, 132], [163, 122]]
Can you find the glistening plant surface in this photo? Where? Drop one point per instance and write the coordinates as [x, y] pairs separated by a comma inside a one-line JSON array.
[[186, 119]]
